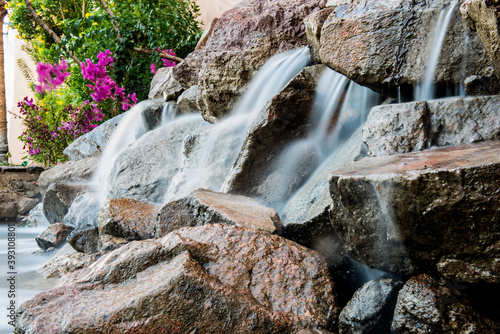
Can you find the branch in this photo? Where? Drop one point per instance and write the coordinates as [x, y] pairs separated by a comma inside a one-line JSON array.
[[138, 50], [112, 15], [48, 29], [161, 54]]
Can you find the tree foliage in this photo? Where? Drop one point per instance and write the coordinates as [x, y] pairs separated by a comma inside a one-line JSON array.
[[86, 29]]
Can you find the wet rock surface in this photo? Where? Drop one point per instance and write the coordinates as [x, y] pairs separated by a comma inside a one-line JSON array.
[[187, 101], [71, 172], [92, 143], [127, 218], [483, 18], [380, 44], [242, 40], [58, 199], [371, 308], [415, 126], [62, 265], [84, 239], [144, 170], [207, 207], [213, 278], [426, 305], [54, 236], [404, 213], [283, 120]]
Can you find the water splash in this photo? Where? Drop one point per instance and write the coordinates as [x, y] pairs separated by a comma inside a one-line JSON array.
[[215, 149], [425, 91]]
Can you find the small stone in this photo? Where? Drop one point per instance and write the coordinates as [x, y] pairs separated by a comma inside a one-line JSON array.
[[54, 236]]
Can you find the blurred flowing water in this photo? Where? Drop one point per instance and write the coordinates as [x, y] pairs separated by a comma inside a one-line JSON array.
[[28, 282]]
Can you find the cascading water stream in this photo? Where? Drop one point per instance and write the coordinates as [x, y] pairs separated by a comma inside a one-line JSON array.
[[130, 128], [340, 107], [269, 80], [425, 91]]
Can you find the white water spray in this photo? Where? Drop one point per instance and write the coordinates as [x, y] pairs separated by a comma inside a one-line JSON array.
[[425, 91]]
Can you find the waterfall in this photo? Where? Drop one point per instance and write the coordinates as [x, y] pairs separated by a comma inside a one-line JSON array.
[[218, 146], [340, 107], [168, 114], [425, 91], [130, 128]]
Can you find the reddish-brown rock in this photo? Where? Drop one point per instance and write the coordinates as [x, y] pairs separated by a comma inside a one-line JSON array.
[[128, 219], [404, 213], [54, 236], [426, 305], [208, 279], [204, 207]]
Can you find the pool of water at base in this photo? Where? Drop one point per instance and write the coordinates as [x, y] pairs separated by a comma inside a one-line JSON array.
[[27, 282]]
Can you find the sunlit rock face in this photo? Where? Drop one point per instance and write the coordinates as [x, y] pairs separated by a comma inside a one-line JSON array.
[[126, 219], [386, 44], [242, 40], [212, 278], [404, 213]]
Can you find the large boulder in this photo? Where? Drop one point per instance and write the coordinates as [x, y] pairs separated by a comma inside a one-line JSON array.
[[208, 155], [64, 264], [405, 213], [71, 172], [213, 278], [242, 40], [386, 44], [283, 120], [415, 126], [483, 18], [207, 207], [92, 143], [144, 170], [426, 305]]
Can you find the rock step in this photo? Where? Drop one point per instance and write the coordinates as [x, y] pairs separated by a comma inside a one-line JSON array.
[[405, 213], [207, 207]]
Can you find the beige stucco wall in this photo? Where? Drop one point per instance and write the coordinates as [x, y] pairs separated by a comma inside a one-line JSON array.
[[214, 8], [16, 88]]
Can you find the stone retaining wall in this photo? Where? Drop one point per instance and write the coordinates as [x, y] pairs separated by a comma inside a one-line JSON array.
[[19, 191]]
